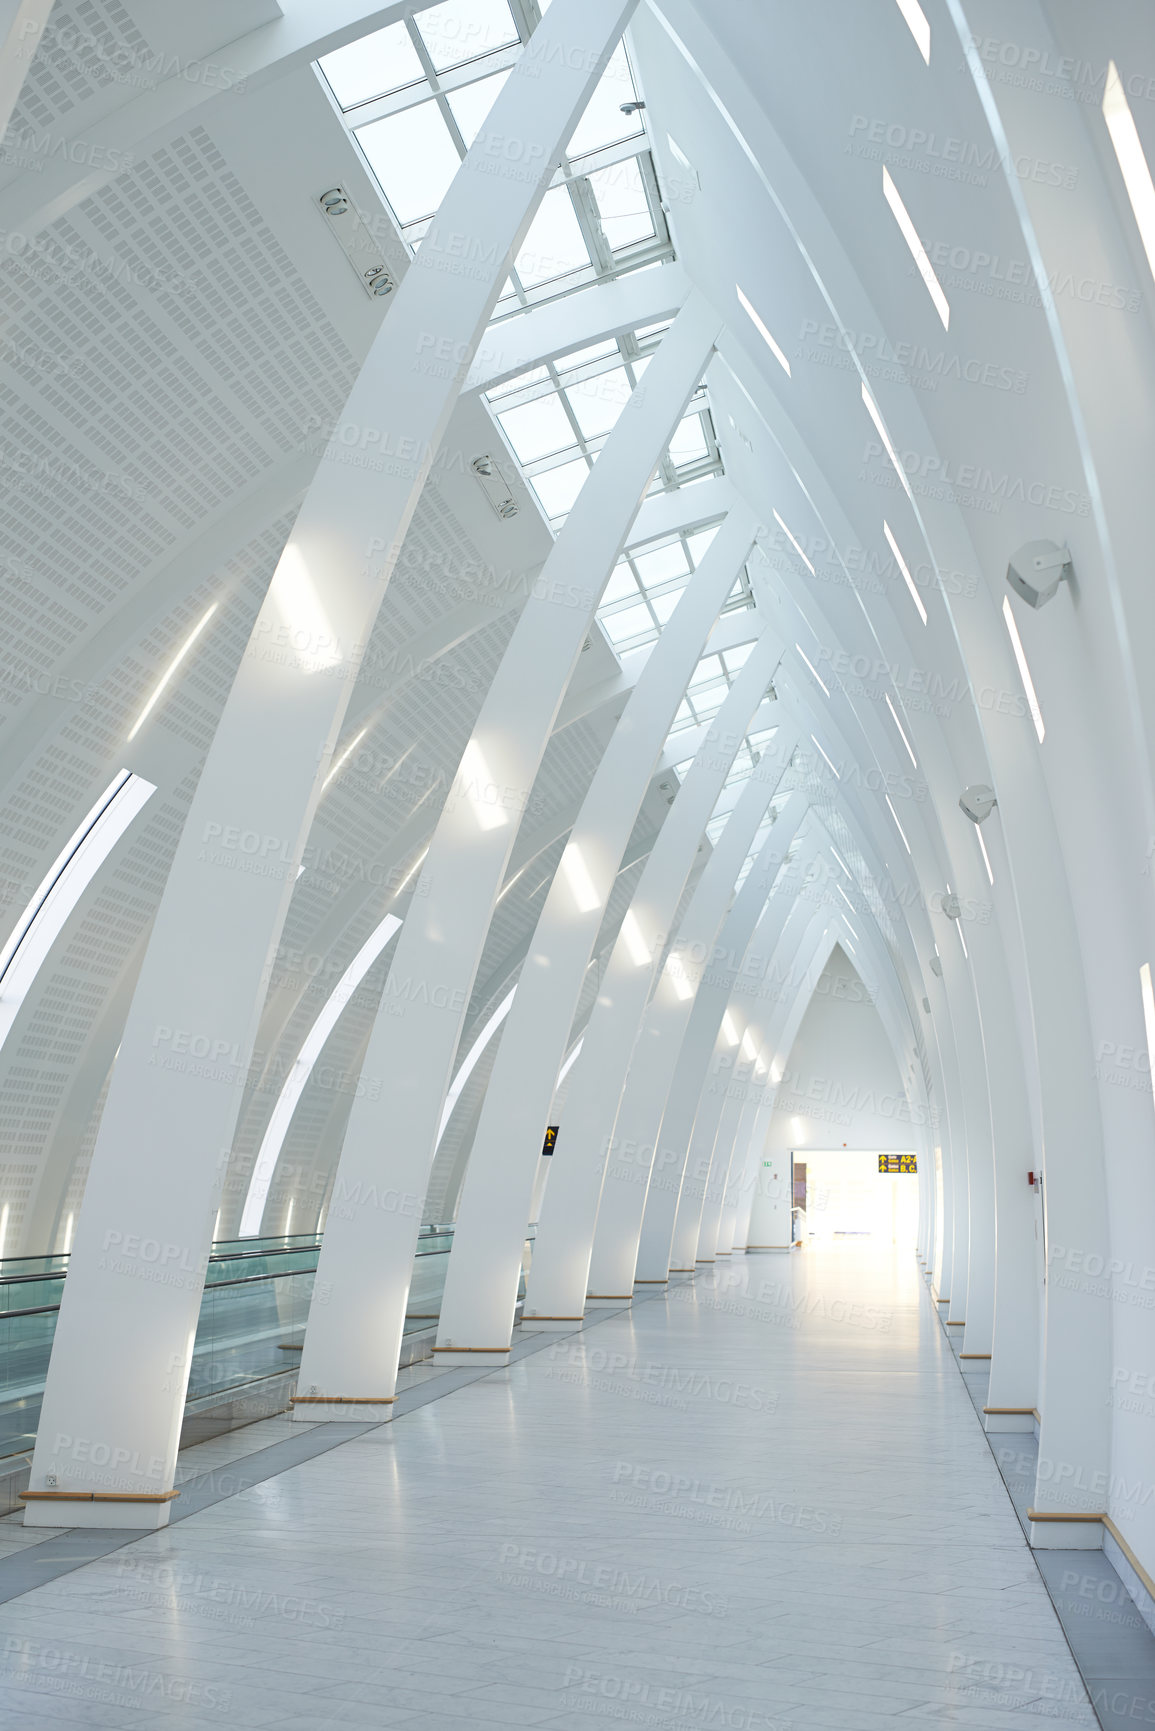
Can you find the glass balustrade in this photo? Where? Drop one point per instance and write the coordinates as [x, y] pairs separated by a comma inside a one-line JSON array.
[[252, 1319]]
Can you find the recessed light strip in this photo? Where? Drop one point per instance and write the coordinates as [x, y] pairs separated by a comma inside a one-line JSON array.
[[1132, 161], [59, 892], [917, 23], [897, 825], [917, 251], [901, 729], [166, 676], [282, 1114], [906, 576], [763, 332], [794, 543], [985, 854], [1148, 1011], [812, 668], [826, 760], [1024, 670], [872, 411]]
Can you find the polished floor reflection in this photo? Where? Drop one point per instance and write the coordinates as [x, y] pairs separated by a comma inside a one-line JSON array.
[[762, 1500]]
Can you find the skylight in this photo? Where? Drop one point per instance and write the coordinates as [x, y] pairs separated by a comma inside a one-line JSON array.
[[558, 416], [918, 26], [416, 94], [1024, 670]]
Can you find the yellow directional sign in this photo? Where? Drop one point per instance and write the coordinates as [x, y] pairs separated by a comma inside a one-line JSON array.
[[898, 1163]]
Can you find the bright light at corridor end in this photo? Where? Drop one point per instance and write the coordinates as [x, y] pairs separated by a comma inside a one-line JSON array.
[[1024, 670], [1132, 162], [905, 569]]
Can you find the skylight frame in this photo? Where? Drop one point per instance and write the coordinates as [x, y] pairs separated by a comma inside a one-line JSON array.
[[605, 262]]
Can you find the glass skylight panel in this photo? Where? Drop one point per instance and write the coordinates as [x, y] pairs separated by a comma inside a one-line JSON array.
[[700, 540], [662, 565], [462, 30], [598, 402], [414, 157], [472, 103], [603, 122], [621, 586], [688, 444], [716, 825], [374, 66], [622, 204], [665, 603], [554, 245], [684, 718], [538, 429], [558, 488], [582, 357], [631, 622]]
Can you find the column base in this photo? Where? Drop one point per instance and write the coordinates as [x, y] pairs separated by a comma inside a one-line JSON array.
[[1059, 1532], [96, 1509], [1009, 1418], [342, 1409], [607, 1300], [664, 1282], [553, 1324], [494, 1357]]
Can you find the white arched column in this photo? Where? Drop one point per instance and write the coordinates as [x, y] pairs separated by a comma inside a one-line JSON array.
[[353, 1337], [600, 1073], [676, 1195], [579, 1189], [480, 1296], [139, 1256]]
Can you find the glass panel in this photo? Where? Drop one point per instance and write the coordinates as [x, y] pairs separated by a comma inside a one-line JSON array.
[[374, 66], [579, 358], [631, 622], [620, 585], [472, 105], [537, 429], [559, 488], [661, 565], [699, 542], [603, 121], [462, 30], [413, 157], [622, 204], [554, 245], [738, 657], [598, 402], [688, 444], [663, 605]]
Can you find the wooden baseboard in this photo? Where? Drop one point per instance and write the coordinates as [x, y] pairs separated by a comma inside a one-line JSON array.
[[1059, 1515], [343, 1399], [98, 1496]]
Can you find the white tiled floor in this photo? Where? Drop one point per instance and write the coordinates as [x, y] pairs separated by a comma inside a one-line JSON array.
[[840, 1554]]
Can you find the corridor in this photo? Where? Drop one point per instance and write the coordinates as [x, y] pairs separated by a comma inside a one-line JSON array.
[[761, 1500]]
